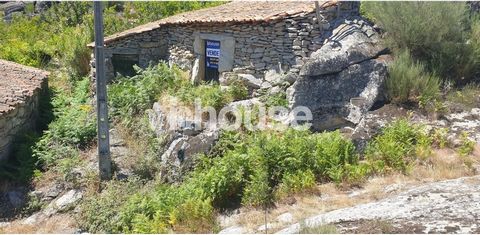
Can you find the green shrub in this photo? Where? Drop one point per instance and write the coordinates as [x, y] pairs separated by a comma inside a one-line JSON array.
[[435, 33], [398, 147], [100, 212], [248, 168], [130, 96], [408, 82], [296, 182], [277, 99], [73, 128], [26, 41], [467, 146], [439, 137]]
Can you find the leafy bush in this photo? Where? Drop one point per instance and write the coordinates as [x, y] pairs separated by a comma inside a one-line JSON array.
[[408, 82], [398, 147], [20, 41], [129, 97], [250, 168], [276, 158], [467, 146], [435, 33], [74, 126]]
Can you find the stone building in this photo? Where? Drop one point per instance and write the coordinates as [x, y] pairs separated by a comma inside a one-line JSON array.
[[20, 90], [241, 37]]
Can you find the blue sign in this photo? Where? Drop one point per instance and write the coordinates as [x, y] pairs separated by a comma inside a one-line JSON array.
[[212, 53]]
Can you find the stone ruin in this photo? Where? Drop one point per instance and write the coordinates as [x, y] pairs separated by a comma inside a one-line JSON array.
[[20, 90]]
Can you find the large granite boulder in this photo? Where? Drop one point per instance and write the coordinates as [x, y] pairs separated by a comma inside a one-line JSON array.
[[352, 42], [344, 78], [342, 98]]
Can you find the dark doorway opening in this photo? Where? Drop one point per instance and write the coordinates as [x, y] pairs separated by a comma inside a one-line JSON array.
[[123, 64], [212, 56]]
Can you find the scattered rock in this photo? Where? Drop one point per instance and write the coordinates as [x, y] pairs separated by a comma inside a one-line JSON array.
[[34, 219], [372, 123], [53, 191]]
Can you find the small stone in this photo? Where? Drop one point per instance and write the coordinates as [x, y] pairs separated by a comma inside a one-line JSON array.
[[250, 80], [68, 199]]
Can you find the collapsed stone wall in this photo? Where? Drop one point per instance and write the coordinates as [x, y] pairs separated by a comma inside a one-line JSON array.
[[282, 45]]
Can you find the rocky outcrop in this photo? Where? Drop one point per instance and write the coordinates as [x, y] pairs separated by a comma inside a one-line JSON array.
[[441, 207], [184, 138], [352, 42], [343, 79], [11, 7], [456, 124], [180, 156]]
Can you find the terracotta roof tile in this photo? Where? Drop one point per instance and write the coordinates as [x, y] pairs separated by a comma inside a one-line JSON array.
[[17, 83], [233, 12]]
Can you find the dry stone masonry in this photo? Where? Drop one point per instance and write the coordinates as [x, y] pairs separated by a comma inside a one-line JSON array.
[[20, 90], [255, 37]]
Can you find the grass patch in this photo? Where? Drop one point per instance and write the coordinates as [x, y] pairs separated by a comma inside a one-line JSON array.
[[468, 96]]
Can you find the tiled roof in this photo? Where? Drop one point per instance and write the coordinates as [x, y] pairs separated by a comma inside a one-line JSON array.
[[233, 12], [17, 83]]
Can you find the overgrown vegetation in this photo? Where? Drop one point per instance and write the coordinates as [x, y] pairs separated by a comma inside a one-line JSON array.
[[409, 82], [250, 168], [58, 37], [398, 147], [443, 36], [258, 168], [131, 96]]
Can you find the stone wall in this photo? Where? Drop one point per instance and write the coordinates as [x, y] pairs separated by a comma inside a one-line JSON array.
[[250, 48], [151, 46], [21, 88], [12, 123]]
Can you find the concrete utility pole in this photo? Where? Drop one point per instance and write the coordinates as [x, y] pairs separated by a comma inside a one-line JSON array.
[[104, 160]]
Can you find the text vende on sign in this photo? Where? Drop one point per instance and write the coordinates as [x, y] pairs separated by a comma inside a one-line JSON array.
[[213, 52]]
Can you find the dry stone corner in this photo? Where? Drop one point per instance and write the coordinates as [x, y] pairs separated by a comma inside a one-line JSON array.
[[21, 88]]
